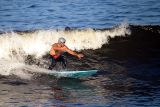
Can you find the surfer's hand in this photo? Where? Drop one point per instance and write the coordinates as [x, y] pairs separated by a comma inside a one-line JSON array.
[[80, 56]]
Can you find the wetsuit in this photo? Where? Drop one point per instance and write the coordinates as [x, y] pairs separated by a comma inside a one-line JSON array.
[[57, 58]]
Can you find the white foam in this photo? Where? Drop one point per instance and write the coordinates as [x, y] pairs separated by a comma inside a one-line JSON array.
[[20, 69], [15, 68]]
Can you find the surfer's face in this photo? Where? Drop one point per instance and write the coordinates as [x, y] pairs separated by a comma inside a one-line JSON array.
[[62, 44]]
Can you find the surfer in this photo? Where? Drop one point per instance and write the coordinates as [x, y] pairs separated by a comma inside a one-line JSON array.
[[56, 53]]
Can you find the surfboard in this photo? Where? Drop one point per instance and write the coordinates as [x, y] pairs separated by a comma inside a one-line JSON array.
[[73, 74]]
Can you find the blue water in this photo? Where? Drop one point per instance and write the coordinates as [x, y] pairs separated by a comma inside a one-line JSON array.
[[49, 14], [128, 76]]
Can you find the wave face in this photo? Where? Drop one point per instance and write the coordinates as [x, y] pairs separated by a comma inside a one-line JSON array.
[[125, 44]]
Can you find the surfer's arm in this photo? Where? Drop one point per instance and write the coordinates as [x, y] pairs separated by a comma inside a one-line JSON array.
[[73, 53]]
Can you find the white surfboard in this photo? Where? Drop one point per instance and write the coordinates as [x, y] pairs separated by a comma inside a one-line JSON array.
[[63, 73]]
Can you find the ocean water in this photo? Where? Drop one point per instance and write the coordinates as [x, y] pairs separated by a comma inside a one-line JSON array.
[[49, 14], [118, 38]]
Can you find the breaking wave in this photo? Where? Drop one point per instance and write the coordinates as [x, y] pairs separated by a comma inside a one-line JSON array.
[[15, 47]]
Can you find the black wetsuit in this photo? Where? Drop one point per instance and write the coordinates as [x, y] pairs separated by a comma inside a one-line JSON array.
[[60, 58]]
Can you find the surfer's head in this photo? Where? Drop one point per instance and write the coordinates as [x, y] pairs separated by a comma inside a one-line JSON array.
[[61, 40]]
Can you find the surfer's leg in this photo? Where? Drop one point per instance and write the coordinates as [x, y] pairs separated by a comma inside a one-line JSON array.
[[63, 60], [53, 63]]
